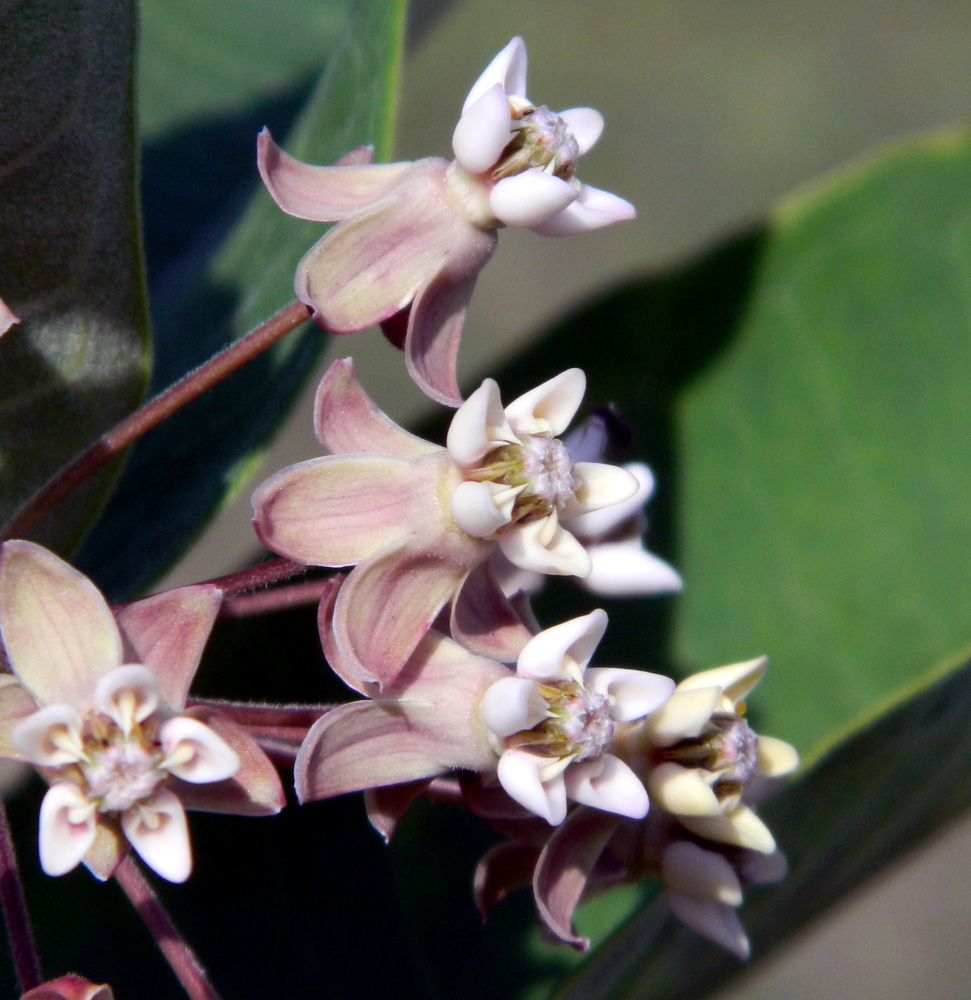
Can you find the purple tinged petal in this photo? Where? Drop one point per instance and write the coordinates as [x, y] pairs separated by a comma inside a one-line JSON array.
[[59, 633], [339, 510], [7, 318], [484, 620], [483, 131], [67, 828], [479, 426], [592, 209], [167, 633], [16, 705], [346, 419], [607, 783], [503, 868], [560, 652], [632, 693], [688, 868], [385, 806], [549, 408], [564, 869], [508, 69], [253, 790], [323, 194], [715, 921], [158, 831], [585, 125], [530, 199], [194, 753]]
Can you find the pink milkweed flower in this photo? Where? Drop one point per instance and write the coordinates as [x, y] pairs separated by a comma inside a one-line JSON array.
[[69, 988], [416, 519], [97, 702], [411, 238]]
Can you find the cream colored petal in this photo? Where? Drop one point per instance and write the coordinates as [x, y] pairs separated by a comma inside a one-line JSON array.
[[735, 680], [478, 427], [632, 693], [127, 695], [685, 714], [50, 737], [776, 757], [549, 408], [545, 547], [481, 509], [68, 823], [599, 485], [158, 831], [607, 783], [741, 828], [194, 753], [684, 791], [561, 653]]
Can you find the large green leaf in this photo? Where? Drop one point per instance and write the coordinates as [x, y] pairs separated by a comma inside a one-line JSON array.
[[178, 475], [71, 265]]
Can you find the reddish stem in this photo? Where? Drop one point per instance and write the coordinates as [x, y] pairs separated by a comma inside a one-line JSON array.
[[256, 577], [15, 913], [178, 954], [152, 414]]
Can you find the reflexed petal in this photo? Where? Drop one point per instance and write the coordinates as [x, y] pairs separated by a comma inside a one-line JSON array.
[[632, 693], [481, 509], [585, 126], [508, 68], [503, 868], [346, 419], [736, 680], [483, 131], [67, 828], [50, 737], [599, 485], [485, 621], [167, 633], [740, 827], [776, 757], [337, 511], [529, 199], [715, 921], [194, 753], [549, 408], [127, 695], [544, 547], [478, 427], [560, 652], [683, 790], [16, 705], [683, 715], [607, 783], [323, 194], [627, 569], [688, 868], [520, 773], [157, 829], [512, 705], [385, 806], [592, 209], [59, 633]]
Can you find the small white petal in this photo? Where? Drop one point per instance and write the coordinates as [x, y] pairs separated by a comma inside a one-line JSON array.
[[592, 209], [157, 829], [507, 69], [483, 131], [531, 198], [585, 126], [607, 783], [683, 791], [740, 827], [544, 547], [50, 737], [599, 485], [478, 427], [627, 569], [597, 524], [549, 408], [475, 510], [688, 868], [514, 580], [68, 824], [632, 693], [193, 752], [513, 705], [127, 695], [563, 651], [521, 775], [684, 715], [715, 921], [735, 680]]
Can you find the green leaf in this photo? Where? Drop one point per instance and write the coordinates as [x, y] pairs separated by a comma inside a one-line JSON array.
[[183, 471], [69, 244]]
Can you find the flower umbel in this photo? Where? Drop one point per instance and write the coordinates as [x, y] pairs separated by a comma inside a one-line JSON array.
[[114, 740]]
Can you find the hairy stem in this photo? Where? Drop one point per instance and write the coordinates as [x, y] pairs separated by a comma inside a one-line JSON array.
[[256, 577], [152, 414], [291, 596], [178, 954], [15, 914]]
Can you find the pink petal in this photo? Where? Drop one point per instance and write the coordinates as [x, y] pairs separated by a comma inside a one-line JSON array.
[[385, 806], [346, 420], [194, 753], [585, 126], [158, 831], [16, 705], [504, 868], [592, 209], [337, 511], [484, 620], [483, 131], [436, 318], [607, 783], [68, 988], [67, 828], [508, 68], [549, 408], [565, 866], [59, 633], [530, 199], [7, 318], [253, 790], [323, 194], [558, 653], [391, 600], [167, 633]]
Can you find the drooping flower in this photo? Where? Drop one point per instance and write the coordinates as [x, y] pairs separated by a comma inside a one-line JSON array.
[[545, 730], [97, 702], [412, 237], [416, 519]]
